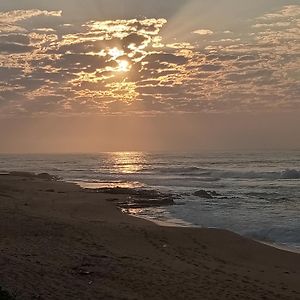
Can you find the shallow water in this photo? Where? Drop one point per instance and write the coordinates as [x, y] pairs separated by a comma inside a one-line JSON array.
[[260, 192]]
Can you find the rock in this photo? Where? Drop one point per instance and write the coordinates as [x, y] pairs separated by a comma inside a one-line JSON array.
[[144, 203], [207, 194], [147, 194], [47, 176], [203, 194], [215, 194], [138, 198]]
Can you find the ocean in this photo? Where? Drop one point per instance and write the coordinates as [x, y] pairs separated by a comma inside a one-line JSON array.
[[258, 193]]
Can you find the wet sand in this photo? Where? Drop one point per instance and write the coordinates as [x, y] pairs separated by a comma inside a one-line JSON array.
[[58, 241]]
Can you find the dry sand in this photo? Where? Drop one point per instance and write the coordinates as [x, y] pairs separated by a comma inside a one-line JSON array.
[[58, 241]]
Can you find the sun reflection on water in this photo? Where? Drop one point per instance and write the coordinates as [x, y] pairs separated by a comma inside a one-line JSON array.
[[128, 162]]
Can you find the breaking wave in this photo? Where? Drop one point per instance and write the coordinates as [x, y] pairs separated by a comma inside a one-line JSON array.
[[235, 174]]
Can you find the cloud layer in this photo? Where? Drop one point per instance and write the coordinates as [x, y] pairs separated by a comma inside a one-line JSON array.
[[127, 66]]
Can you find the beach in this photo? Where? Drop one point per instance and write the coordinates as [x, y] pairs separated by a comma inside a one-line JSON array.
[[59, 241]]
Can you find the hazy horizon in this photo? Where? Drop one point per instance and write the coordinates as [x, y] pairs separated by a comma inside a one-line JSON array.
[[193, 133]]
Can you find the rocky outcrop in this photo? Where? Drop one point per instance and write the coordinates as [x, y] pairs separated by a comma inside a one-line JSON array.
[[206, 194], [47, 176], [144, 203], [139, 198]]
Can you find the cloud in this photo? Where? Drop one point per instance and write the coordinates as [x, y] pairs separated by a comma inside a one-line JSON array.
[[9, 21], [203, 32], [48, 66], [15, 16], [210, 68], [15, 38], [10, 48]]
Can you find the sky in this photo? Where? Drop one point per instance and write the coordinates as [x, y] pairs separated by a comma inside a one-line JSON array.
[[112, 75]]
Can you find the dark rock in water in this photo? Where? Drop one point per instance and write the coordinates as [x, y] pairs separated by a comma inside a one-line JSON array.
[[203, 194], [207, 194], [214, 194], [47, 176], [139, 198], [138, 203], [148, 194]]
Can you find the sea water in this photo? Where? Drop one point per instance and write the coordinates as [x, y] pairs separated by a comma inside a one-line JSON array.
[[259, 192]]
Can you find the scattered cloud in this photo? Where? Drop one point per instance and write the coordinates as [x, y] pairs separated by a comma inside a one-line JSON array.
[[203, 32], [11, 21], [125, 66]]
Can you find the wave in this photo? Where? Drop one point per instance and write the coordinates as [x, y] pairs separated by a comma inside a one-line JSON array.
[[276, 234], [235, 174], [286, 174], [178, 170]]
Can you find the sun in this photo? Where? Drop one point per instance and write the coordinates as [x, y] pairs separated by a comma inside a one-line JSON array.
[[117, 55], [123, 66]]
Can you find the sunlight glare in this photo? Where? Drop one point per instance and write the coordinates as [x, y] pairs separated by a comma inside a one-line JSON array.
[[115, 52], [124, 66], [128, 162]]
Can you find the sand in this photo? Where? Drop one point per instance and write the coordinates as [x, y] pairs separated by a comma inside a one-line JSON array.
[[58, 241]]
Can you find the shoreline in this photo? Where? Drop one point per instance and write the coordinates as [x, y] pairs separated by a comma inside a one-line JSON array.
[[280, 247], [173, 222], [166, 223], [59, 241]]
